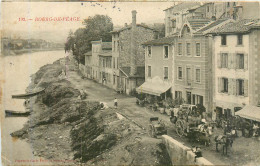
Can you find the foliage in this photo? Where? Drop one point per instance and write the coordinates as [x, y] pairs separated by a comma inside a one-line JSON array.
[[96, 28]]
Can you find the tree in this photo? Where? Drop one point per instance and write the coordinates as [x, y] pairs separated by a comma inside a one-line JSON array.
[[96, 28], [70, 41]]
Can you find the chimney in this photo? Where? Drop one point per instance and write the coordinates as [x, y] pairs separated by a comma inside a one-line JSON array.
[[133, 45]]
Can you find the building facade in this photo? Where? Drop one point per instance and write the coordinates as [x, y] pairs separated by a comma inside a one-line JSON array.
[[236, 66], [129, 54], [158, 68]]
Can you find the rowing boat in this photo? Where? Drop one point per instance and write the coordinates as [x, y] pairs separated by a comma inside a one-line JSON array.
[[27, 95], [17, 113]]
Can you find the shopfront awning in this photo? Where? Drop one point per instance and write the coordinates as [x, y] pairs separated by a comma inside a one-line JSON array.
[[250, 112], [153, 88]]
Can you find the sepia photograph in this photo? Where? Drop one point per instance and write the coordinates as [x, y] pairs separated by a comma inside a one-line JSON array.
[[130, 82]]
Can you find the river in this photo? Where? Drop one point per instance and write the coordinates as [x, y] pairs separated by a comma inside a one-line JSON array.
[[16, 76]]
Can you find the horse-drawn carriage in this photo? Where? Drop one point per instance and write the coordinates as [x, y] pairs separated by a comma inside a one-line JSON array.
[[188, 123]]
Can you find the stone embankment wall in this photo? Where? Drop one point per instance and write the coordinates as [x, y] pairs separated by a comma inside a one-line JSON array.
[[180, 154]]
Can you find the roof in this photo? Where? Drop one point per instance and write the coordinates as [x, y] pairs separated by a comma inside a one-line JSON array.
[[182, 6], [140, 71], [161, 41], [198, 23], [106, 45], [250, 112], [241, 26], [88, 53], [105, 53], [211, 25], [130, 26]]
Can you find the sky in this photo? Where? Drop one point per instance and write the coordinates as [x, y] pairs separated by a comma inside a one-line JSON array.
[[120, 12]]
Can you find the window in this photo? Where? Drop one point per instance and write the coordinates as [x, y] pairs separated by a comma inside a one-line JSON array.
[[114, 79], [225, 85], [223, 40], [149, 51], [180, 73], [114, 63], [117, 45], [199, 99], [166, 73], [188, 48], [188, 70], [179, 48], [234, 3], [208, 8], [224, 60], [240, 61], [166, 51], [197, 49], [178, 95], [228, 4], [240, 87], [149, 71], [197, 75], [114, 45], [239, 39], [117, 64]]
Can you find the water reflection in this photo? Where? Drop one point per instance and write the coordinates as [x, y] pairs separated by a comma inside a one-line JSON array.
[[17, 72]]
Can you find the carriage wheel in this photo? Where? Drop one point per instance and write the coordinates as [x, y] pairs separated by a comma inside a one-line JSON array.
[[180, 128]]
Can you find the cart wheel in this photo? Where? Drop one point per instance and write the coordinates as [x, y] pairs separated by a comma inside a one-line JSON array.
[[180, 128]]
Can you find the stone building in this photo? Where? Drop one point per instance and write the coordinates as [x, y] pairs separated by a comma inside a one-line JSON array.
[[236, 62], [158, 67], [128, 54]]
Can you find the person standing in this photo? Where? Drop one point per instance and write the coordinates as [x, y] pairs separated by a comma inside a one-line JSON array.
[[115, 102]]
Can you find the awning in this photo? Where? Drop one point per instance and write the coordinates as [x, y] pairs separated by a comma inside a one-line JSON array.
[[250, 112], [153, 88]]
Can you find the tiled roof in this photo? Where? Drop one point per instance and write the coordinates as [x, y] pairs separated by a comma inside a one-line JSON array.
[[211, 25], [242, 26], [198, 23], [182, 6], [88, 53], [106, 45], [161, 41], [130, 26], [140, 71], [105, 53]]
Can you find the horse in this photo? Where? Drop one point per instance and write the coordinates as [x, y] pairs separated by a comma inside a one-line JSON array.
[[225, 140]]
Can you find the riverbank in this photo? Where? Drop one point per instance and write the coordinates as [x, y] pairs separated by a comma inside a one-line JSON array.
[[67, 130], [24, 51]]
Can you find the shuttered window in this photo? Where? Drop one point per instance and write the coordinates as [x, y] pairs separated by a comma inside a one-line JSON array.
[[240, 61], [149, 51], [166, 73], [240, 87], [149, 71], [197, 49], [179, 49], [224, 60], [166, 52], [180, 73], [188, 49], [197, 75]]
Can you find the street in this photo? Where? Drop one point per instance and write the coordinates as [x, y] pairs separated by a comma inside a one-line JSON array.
[[246, 153]]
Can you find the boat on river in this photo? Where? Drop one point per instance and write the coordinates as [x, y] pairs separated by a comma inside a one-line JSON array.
[[28, 95], [16, 113]]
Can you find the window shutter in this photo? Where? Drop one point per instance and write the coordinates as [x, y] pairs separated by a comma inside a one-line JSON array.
[[245, 88], [234, 61], [230, 88], [229, 61], [246, 61], [235, 86], [219, 85], [237, 61], [219, 60]]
